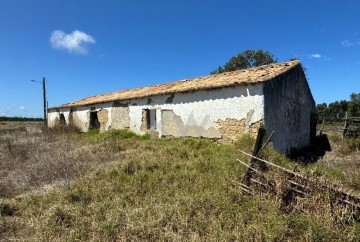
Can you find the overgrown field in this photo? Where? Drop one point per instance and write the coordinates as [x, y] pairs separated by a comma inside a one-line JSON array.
[[56, 185]]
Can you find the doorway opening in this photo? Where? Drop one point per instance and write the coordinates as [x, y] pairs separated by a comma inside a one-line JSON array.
[[148, 121], [62, 120], [94, 121]]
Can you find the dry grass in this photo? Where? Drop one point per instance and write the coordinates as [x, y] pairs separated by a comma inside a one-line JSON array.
[[121, 187], [33, 158], [342, 163]]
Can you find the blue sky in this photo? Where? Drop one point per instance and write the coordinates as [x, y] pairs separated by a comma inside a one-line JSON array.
[[88, 47]]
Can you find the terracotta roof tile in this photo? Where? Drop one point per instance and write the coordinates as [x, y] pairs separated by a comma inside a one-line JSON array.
[[239, 77]]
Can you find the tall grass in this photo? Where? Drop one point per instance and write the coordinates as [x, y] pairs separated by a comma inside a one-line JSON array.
[[159, 190]]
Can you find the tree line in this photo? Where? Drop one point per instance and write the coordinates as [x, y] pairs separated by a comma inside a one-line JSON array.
[[337, 110], [3, 118]]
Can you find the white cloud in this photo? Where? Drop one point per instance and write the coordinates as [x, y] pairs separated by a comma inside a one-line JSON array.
[[22, 108], [317, 56], [2, 114], [75, 42]]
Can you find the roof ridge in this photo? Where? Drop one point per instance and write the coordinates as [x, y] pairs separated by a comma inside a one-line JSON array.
[[244, 76]]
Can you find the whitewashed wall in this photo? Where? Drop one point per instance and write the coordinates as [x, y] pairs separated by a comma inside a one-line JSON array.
[[195, 109], [82, 114]]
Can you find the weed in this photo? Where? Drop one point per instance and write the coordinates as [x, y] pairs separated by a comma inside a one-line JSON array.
[[90, 133], [125, 134]]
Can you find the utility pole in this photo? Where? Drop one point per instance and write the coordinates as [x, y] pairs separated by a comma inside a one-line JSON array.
[[44, 96], [44, 99]]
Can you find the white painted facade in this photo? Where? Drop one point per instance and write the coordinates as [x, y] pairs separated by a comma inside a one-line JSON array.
[[200, 110]]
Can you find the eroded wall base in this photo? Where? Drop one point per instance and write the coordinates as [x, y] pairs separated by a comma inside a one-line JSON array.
[[227, 131], [232, 129], [172, 125]]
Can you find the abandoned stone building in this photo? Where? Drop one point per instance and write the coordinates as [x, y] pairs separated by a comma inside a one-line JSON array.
[[221, 106]]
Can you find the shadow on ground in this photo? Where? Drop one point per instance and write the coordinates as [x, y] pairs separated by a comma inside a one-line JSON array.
[[313, 152]]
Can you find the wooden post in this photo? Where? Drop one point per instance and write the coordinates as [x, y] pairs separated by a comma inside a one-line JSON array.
[[253, 162], [346, 125]]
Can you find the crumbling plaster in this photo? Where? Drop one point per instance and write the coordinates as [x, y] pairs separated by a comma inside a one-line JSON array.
[[195, 111], [196, 114], [54, 115], [80, 116]]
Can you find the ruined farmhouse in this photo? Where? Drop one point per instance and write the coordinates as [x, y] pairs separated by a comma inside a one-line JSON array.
[[221, 106]]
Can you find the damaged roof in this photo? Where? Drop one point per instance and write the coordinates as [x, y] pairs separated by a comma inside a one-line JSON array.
[[227, 79]]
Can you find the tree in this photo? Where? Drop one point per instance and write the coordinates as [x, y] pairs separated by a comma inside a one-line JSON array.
[[322, 111], [354, 105], [337, 109], [246, 59], [355, 97], [294, 58]]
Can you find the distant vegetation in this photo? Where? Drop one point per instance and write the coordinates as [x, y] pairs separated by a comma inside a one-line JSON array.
[[336, 111], [3, 118]]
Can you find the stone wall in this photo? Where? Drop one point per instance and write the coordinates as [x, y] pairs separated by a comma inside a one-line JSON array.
[[232, 129]]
